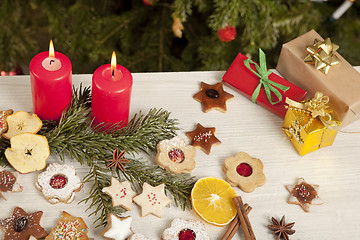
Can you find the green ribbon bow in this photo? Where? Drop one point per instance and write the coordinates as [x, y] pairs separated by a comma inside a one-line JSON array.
[[263, 73]]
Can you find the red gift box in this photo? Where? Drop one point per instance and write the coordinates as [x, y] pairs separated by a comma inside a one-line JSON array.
[[243, 79]]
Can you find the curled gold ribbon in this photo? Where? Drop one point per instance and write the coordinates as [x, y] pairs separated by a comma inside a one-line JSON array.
[[321, 54], [294, 131], [317, 107]]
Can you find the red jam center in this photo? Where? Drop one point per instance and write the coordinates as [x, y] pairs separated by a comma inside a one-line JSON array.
[[176, 155], [244, 169], [58, 181], [187, 234]]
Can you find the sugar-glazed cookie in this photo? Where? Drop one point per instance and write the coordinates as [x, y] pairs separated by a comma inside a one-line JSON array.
[[59, 183], [213, 97], [304, 194], [244, 171], [175, 155], [117, 228], [121, 193], [185, 229], [69, 227], [203, 138], [21, 225], [152, 200], [138, 236], [8, 183], [3, 123]]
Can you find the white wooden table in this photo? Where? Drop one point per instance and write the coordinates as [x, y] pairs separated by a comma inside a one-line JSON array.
[[245, 127]]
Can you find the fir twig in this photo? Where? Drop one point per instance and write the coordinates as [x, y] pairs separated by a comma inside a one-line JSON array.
[[99, 201]]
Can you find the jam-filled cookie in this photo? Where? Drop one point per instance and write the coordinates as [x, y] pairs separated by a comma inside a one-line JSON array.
[[244, 171], [8, 183], [304, 194], [59, 183], [175, 155], [185, 230], [21, 225], [213, 97]]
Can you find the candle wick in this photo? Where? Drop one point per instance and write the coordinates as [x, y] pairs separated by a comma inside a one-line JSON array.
[[113, 71], [51, 61]]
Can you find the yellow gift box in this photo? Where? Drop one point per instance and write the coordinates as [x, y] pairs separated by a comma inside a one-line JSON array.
[[311, 124]]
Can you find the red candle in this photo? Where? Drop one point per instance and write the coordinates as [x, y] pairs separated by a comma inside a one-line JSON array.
[[50, 74], [111, 93]]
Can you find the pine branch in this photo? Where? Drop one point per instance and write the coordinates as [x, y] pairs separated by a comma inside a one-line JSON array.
[[100, 202]]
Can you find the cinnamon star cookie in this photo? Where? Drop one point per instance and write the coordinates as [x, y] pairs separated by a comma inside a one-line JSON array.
[[304, 194], [213, 97], [117, 229], [21, 225], [203, 138]]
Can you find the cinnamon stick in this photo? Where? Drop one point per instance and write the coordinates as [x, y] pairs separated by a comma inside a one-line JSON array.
[[243, 218], [235, 224]]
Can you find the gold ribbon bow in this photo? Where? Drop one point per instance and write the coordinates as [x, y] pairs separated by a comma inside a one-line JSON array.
[[321, 54], [294, 131], [317, 107]]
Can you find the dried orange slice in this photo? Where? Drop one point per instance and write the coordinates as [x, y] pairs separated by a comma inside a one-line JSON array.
[[211, 199]]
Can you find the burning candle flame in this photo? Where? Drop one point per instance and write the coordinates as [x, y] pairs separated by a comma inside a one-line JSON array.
[[113, 62], [51, 49]]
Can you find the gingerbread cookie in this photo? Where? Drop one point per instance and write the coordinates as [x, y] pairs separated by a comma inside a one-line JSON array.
[[8, 183], [121, 193], [213, 97], [59, 183], [69, 227], [138, 236], [185, 229], [3, 124], [175, 155], [21, 225], [152, 200], [304, 194], [117, 229], [203, 138], [244, 171]]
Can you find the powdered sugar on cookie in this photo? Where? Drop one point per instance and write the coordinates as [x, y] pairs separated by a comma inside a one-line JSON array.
[[59, 183]]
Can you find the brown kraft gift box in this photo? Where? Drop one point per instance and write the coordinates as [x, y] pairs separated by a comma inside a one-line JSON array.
[[341, 84]]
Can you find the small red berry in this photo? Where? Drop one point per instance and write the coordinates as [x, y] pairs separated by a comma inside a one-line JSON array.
[[227, 34]]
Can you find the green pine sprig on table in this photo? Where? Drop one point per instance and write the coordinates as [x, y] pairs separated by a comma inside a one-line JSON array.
[[74, 136]]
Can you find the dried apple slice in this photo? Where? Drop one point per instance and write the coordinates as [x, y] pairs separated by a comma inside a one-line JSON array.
[[22, 122], [28, 152]]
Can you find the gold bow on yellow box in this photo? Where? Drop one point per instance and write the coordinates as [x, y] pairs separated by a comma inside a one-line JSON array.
[[321, 54], [311, 124]]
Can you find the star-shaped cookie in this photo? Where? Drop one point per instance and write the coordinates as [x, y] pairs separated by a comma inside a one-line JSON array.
[[8, 183], [152, 200], [117, 229], [212, 97], [121, 193], [69, 227], [3, 124], [304, 194], [203, 138], [22, 225]]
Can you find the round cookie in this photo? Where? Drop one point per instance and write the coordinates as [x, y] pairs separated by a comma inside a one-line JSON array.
[[59, 183], [185, 229], [175, 155], [244, 171]]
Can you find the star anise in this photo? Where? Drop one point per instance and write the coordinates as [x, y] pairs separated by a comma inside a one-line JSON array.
[[118, 160], [284, 230]]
